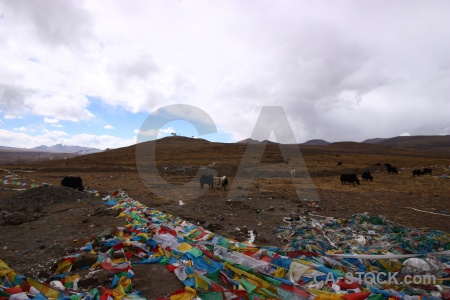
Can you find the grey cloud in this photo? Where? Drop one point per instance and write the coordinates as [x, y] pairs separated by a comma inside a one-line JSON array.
[[54, 22], [139, 68], [17, 101], [12, 98], [355, 71]]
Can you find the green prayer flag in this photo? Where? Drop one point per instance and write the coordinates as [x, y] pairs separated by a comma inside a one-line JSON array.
[[211, 296], [247, 285], [213, 276], [376, 297], [164, 260], [196, 252]]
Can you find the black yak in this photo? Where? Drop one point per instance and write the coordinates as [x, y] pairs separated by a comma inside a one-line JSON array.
[[392, 170], [427, 171], [349, 178], [367, 176], [417, 172], [73, 182]]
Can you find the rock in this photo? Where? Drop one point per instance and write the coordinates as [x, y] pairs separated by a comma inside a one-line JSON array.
[[94, 279], [37, 215], [208, 226], [4, 214], [84, 260], [151, 286], [217, 226], [108, 233], [118, 254], [16, 218], [261, 240], [271, 208]]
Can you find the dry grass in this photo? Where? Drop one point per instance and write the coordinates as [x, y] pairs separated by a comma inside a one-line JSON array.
[[272, 185]]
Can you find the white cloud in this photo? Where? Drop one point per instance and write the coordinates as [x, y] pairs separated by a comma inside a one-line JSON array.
[[21, 129], [12, 116], [52, 137], [50, 120], [155, 133], [99, 141], [1, 122], [405, 134], [60, 106], [57, 125], [23, 140], [108, 127]]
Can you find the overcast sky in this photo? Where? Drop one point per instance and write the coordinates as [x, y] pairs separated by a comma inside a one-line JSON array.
[[90, 73]]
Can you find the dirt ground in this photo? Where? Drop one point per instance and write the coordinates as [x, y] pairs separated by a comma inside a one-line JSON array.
[[46, 228]]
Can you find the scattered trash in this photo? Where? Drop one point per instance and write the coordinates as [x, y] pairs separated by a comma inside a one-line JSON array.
[[251, 237]]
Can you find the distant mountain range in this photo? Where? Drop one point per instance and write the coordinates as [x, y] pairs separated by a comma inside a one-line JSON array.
[[373, 141], [252, 141], [417, 142], [316, 142], [58, 148], [433, 143]]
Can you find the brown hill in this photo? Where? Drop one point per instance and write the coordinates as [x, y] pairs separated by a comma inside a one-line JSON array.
[[317, 142], [436, 144]]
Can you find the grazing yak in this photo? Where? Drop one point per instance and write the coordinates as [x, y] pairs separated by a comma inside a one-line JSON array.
[[392, 170], [427, 171], [417, 172], [367, 176], [73, 182], [349, 178], [223, 182], [207, 179]]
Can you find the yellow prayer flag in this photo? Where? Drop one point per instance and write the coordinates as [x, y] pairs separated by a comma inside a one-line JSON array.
[[122, 215], [280, 273], [44, 289], [119, 292], [201, 282], [64, 267], [189, 294], [184, 247]]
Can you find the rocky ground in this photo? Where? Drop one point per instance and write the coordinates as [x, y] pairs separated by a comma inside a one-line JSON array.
[[42, 225]]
